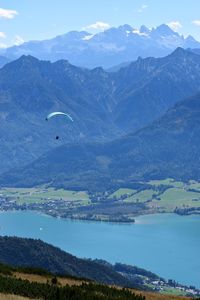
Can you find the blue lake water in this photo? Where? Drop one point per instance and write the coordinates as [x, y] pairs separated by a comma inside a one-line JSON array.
[[166, 244]]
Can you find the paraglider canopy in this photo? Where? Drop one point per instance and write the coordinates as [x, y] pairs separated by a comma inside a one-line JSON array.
[[59, 113]]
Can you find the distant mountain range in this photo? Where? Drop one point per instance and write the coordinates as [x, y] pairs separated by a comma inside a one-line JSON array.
[[168, 148], [104, 105], [111, 47]]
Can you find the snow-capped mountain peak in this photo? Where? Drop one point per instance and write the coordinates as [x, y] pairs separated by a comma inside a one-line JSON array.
[[111, 47]]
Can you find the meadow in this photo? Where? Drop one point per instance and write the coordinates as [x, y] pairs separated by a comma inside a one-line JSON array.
[[42, 195], [165, 195]]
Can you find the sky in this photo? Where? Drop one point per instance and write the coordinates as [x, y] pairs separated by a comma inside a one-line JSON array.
[[24, 20]]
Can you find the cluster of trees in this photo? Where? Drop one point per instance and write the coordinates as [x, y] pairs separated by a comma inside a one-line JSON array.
[[52, 291], [133, 270], [187, 210], [8, 270]]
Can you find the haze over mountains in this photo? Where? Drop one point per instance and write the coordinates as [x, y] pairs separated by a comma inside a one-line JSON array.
[[106, 49], [103, 105]]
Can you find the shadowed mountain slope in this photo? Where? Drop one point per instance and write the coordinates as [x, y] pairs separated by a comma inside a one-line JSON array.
[[103, 105], [169, 147]]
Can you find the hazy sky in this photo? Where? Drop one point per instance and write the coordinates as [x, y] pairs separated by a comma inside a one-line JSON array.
[[23, 20]]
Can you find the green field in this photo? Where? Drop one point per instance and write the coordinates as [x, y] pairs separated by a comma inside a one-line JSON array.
[[42, 195], [172, 291], [142, 196], [178, 197], [176, 194], [168, 181], [122, 192], [194, 185]]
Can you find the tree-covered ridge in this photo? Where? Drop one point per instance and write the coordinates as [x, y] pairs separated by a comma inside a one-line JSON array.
[[36, 257], [37, 254]]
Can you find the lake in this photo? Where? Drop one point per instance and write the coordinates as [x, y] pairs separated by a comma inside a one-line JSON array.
[[166, 244]]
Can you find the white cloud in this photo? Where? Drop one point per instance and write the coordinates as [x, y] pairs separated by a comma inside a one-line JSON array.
[[3, 46], [175, 25], [2, 35], [98, 26], [142, 8], [196, 22], [7, 13], [18, 40]]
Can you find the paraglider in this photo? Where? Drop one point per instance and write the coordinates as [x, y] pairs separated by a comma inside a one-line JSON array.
[[58, 113]]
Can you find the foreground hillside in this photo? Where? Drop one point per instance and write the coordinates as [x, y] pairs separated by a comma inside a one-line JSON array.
[[168, 148], [25, 254], [53, 290], [39, 283], [32, 285], [103, 105]]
